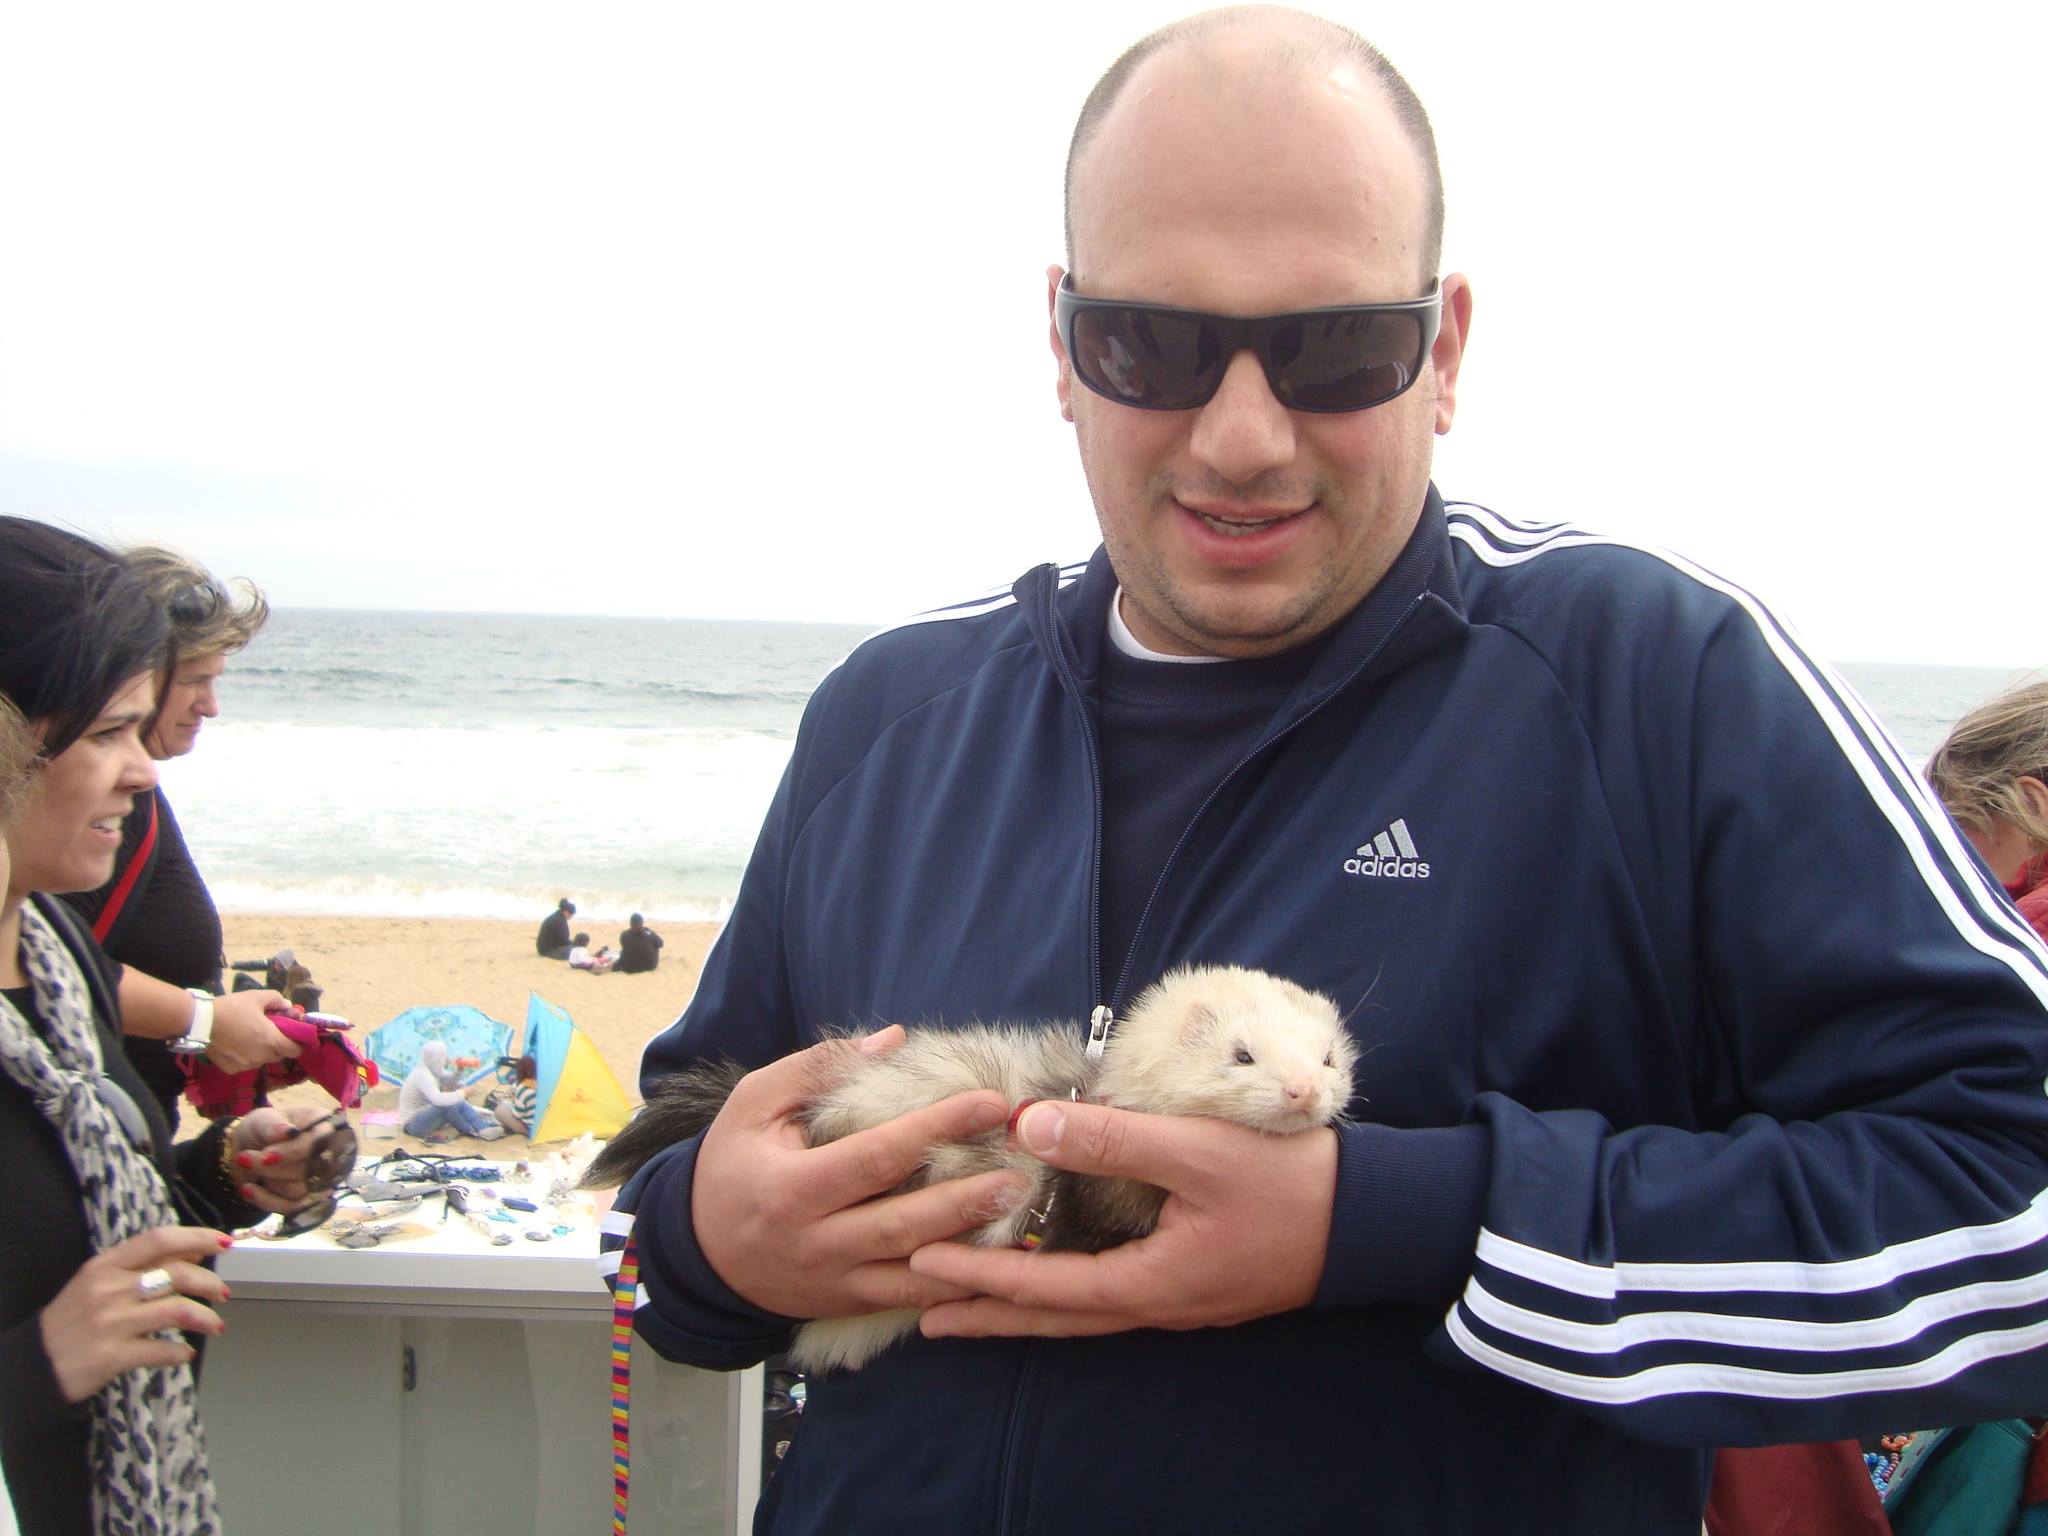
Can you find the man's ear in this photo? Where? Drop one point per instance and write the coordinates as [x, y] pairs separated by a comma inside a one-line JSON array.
[[1451, 334], [1065, 384]]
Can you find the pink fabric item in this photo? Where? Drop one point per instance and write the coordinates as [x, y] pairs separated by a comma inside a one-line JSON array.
[[326, 1056]]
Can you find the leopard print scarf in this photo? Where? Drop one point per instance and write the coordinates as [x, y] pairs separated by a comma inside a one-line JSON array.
[[148, 1455]]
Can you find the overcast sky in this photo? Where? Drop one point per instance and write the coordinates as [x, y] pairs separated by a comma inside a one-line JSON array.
[[739, 312]]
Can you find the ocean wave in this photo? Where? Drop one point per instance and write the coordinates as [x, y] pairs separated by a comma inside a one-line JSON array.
[[383, 897]]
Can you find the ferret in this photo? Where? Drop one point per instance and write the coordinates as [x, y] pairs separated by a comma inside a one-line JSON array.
[[1221, 1041]]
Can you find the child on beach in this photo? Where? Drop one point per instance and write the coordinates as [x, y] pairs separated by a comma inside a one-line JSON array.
[[514, 1105]]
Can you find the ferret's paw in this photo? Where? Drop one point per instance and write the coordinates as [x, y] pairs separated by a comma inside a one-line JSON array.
[[848, 1343]]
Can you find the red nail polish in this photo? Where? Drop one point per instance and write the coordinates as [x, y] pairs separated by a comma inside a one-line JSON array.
[[272, 1157], [244, 1160], [248, 1191], [226, 1294], [226, 1241], [1018, 1113]]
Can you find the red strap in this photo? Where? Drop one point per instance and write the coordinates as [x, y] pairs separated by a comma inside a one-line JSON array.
[[104, 924]]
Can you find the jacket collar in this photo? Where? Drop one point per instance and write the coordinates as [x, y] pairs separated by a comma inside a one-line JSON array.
[[1072, 621]]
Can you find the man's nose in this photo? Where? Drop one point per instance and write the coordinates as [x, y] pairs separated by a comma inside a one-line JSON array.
[[209, 702], [1243, 431]]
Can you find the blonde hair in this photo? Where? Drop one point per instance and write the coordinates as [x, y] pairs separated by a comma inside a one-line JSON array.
[[17, 761], [208, 618], [1977, 770]]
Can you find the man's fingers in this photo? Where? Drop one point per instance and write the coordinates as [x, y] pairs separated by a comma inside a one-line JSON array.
[[884, 1285], [868, 1162], [1154, 1149], [780, 1089], [985, 1317], [896, 1225], [1078, 1282]]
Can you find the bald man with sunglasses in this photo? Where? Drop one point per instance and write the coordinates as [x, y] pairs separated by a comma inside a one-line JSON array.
[[1701, 1099]]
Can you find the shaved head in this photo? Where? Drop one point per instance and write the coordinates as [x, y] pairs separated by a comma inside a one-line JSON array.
[[1287, 44]]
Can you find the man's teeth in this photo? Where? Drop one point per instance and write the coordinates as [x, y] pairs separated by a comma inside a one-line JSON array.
[[107, 824], [1237, 529]]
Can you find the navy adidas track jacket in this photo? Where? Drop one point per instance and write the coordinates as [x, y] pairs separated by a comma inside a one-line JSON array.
[[1705, 1089]]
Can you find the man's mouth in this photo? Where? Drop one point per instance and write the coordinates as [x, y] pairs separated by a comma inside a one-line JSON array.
[[1241, 527]]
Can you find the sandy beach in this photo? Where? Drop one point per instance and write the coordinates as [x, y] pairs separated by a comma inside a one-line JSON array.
[[374, 968]]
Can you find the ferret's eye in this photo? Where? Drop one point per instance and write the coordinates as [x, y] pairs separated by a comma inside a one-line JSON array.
[[1244, 1057], [1330, 1060]]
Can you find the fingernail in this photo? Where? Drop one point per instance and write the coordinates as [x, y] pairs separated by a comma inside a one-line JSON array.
[[272, 1157], [226, 1294], [226, 1241], [244, 1160], [248, 1191], [1043, 1127], [986, 1117], [1018, 1114]]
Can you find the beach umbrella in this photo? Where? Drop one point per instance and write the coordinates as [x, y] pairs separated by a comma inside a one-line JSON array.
[[466, 1031], [574, 1091]]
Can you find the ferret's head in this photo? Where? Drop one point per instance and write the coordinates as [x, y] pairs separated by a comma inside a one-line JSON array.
[[1234, 1044]]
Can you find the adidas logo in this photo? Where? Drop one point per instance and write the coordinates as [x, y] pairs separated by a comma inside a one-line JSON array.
[[1390, 855]]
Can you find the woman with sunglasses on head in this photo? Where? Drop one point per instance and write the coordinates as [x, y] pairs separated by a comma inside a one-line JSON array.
[[1992, 774], [108, 1224], [153, 914]]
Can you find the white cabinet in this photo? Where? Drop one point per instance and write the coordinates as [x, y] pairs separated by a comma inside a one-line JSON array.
[[441, 1387]]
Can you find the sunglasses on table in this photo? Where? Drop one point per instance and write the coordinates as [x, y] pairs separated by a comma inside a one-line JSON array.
[[1346, 358], [328, 1162]]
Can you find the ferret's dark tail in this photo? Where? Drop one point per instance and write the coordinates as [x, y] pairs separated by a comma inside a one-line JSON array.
[[682, 1105]]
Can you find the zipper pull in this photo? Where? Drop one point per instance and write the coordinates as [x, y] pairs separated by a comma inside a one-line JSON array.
[[1099, 1023]]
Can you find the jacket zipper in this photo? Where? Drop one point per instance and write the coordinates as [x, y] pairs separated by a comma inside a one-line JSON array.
[[1341, 687], [1102, 1013]]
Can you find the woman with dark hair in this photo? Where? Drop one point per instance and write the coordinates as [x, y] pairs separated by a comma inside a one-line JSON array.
[[102, 1256], [153, 915]]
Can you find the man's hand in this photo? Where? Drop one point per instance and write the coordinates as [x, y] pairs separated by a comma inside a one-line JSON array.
[[1243, 1232], [795, 1229], [243, 1037]]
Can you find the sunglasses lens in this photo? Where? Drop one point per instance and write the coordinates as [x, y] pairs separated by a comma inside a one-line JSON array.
[[306, 1220], [1159, 361], [1345, 362], [332, 1155]]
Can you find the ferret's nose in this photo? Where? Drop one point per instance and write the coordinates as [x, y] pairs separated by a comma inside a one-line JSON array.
[[1303, 1093]]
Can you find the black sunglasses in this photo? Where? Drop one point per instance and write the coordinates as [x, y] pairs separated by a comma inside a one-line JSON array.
[[197, 603], [1154, 357], [329, 1161]]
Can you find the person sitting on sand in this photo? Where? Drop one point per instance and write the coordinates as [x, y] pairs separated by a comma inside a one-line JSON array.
[[515, 1106], [639, 946], [552, 942], [581, 959], [425, 1106]]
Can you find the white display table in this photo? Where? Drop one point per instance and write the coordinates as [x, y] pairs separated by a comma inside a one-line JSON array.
[[441, 1385]]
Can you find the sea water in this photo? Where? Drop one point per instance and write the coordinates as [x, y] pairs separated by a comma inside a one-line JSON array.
[[471, 765]]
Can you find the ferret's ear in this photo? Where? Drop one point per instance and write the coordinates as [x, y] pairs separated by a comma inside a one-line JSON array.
[[1197, 1021]]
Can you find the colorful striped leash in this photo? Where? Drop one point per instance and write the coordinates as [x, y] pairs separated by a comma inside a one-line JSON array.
[[625, 1289]]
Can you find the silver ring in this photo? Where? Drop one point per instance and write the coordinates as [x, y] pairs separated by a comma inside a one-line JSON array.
[[155, 1284]]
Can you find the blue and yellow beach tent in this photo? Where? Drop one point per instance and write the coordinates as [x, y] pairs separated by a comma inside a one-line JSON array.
[[574, 1091]]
